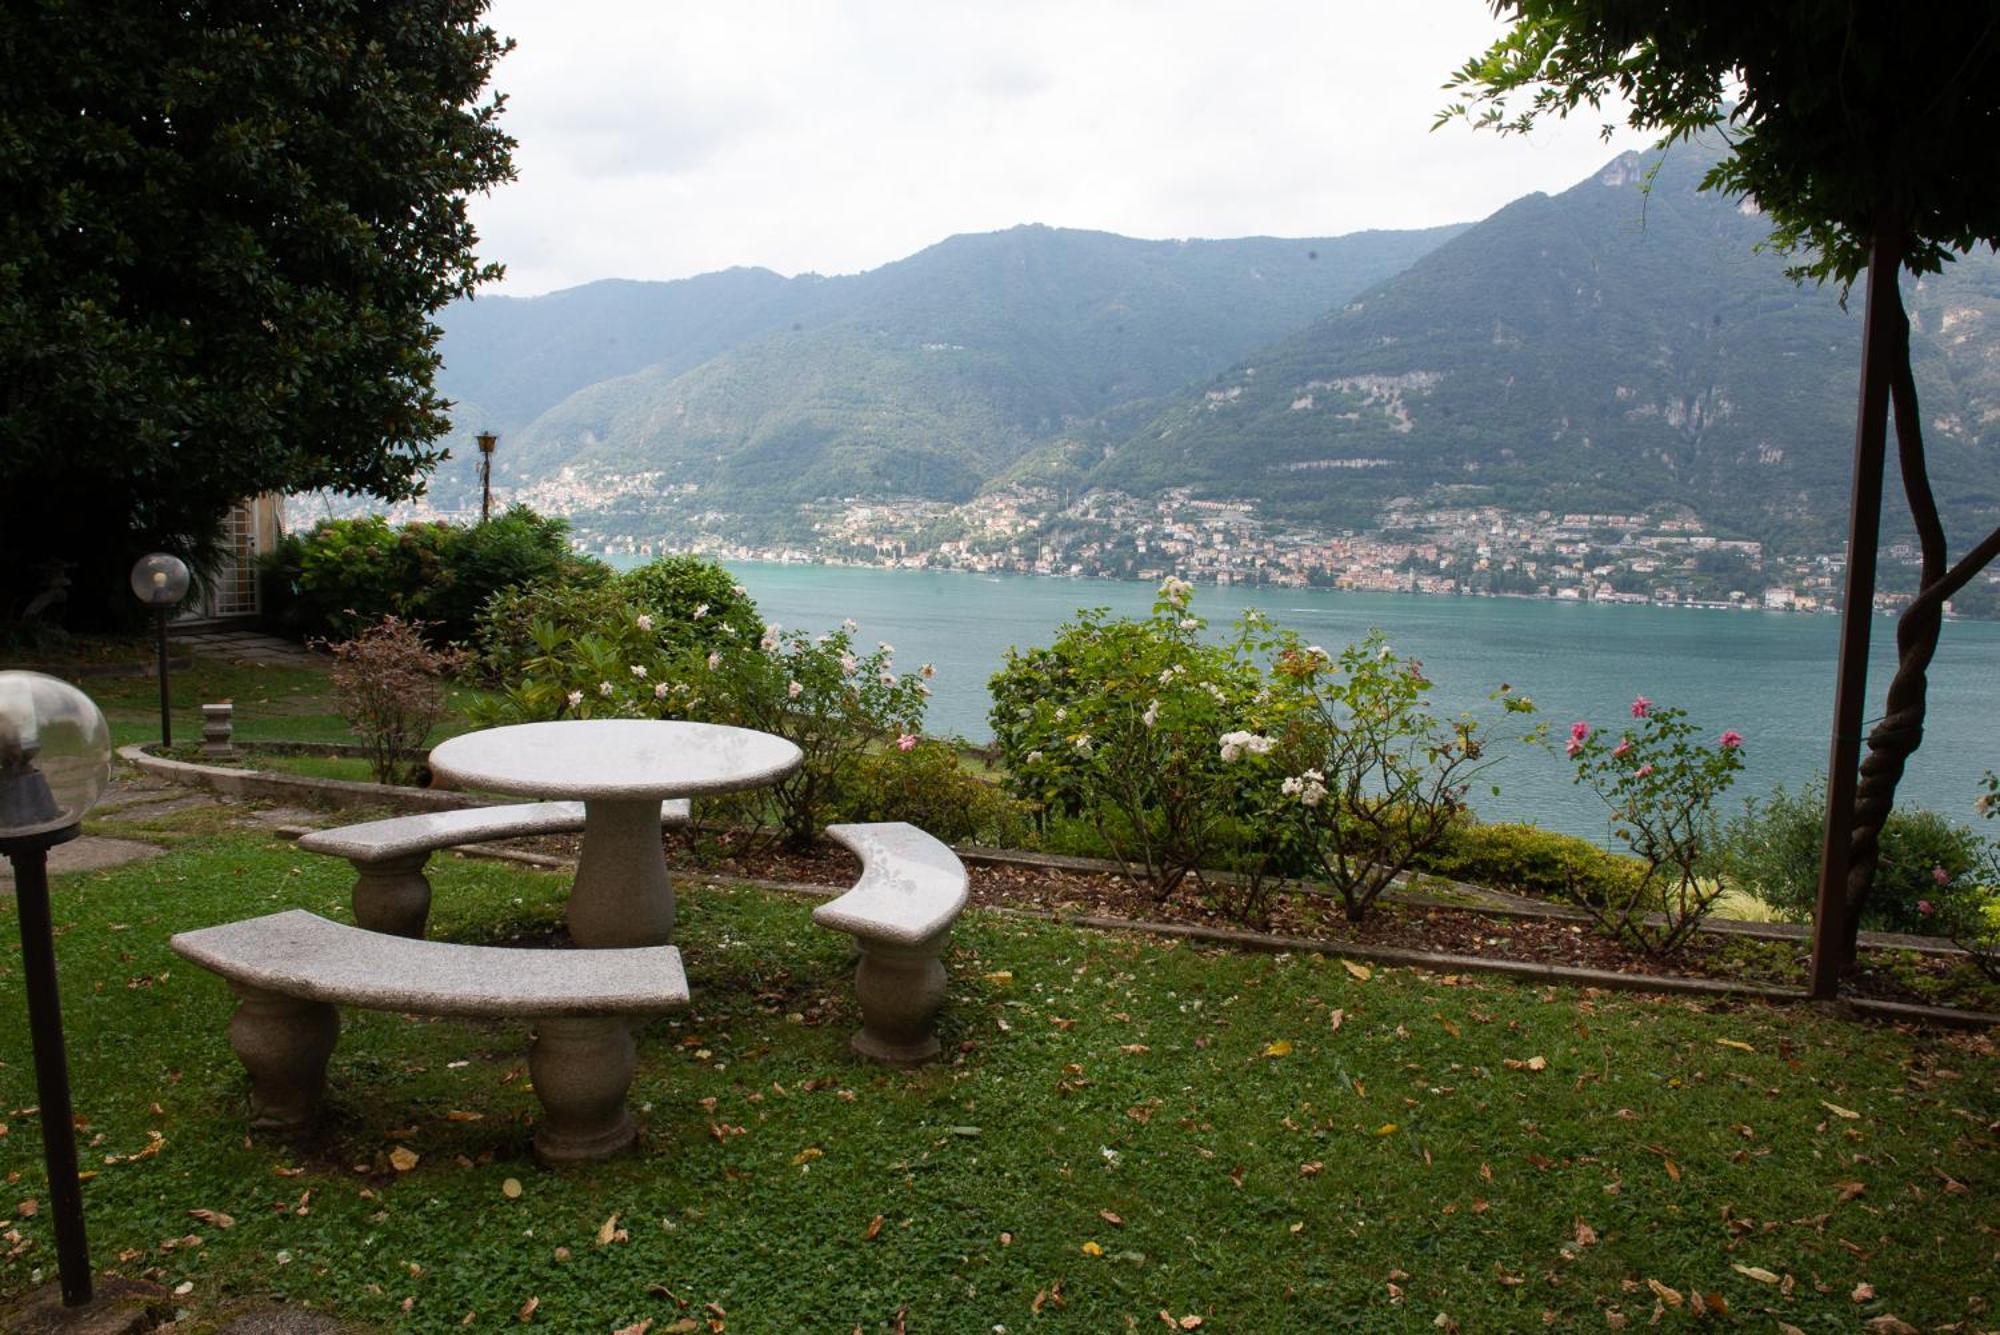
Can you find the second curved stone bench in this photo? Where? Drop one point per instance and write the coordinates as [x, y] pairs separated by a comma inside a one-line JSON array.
[[391, 892], [900, 913], [290, 970]]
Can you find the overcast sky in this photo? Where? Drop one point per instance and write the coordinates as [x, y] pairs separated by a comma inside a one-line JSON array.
[[666, 138]]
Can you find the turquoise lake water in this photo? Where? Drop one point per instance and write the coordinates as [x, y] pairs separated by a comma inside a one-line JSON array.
[[1767, 674]]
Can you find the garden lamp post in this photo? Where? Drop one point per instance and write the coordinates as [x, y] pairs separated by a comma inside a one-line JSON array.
[[160, 582], [55, 757], [487, 440]]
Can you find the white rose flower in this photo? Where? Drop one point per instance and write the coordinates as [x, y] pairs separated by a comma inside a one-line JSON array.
[[714, 659], [1082, 744], [604, 688], [848, 665], [575, 698], [1189, 623], [645, 621], [659, 690], [1258, 746], [1152, 714], [1034, 757], [700, 611], [1314, 794], [639, 671], [886, 678], [927, 672], [794, 691], [1061, 713], [849, 626]]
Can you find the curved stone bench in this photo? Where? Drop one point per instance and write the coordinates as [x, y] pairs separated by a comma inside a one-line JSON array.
[[900, 912], [290, 970], [391, 892]]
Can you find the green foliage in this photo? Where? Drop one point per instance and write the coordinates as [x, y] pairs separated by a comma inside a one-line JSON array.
[[1772, 851], [1119, 722], [1823, 131], [924, 783], [348, 573], [1531, 861], [690, 604], [1661, 785], [390, 686], [225, 233]]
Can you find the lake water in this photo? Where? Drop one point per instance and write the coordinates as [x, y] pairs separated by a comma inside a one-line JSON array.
[[1767, 674]]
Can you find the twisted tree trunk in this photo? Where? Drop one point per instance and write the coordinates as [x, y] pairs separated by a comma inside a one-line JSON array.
[[1896, 737]]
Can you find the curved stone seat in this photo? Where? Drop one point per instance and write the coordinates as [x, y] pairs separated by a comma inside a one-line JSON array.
[[900, 912], [391, 892], [290, 970]]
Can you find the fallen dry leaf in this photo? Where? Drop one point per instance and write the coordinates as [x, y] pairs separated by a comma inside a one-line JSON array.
[[807, 1155], [1586, 1236], [1002, 977], [213, 1218], [1360, 971], [607, 1230], [403, 1158], [1889, 1325], [636, 1328], [1338, 1018], [1111, 1218], [1671, 1297], [1281, 1048], [874, 1227], [1863, 1293], [1736, 1043], [511, 1188], [1092, 1249], [461, 1115], [1849, 1190], [527, 1312], [1839, 1111], [1758, 1273]]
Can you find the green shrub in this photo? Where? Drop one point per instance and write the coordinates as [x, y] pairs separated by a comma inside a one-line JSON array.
[[1529, 860], [690, 604], [391, 690], [345, 574], [926, 786], [1772, 852]]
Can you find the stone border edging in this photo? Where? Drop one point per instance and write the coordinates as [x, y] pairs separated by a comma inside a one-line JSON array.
[[1481, 900], [234, 782]]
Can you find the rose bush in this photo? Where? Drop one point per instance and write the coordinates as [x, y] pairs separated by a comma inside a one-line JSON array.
[[1660, 783]]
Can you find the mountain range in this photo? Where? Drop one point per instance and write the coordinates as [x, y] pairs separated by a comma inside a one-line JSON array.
[[1623, 345]]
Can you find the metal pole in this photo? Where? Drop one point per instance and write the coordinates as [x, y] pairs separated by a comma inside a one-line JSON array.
[[38, 964], [485, 485], [166, 716], [1850, 692]]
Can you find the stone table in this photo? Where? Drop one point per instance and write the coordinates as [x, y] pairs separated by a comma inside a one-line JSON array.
[[621, 769]]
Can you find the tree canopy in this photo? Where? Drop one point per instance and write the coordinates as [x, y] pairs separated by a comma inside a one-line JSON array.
[[223, 231], [1840, 117]]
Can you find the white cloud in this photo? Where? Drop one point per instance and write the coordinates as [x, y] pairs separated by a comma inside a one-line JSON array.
[[659, 140]]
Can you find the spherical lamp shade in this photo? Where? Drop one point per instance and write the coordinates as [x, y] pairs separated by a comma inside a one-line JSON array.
[[159, 580], [55, 754]]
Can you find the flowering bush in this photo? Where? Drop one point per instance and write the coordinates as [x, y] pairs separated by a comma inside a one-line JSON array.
[[925, 784], [390, 687], [1660, 783], [1132, 725], [1361, 777], [817, 692]]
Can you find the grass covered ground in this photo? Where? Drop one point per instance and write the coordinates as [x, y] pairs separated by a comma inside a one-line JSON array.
[[1124, 1128]]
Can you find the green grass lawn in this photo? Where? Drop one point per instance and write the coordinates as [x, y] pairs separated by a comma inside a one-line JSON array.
[[1124, 1127]]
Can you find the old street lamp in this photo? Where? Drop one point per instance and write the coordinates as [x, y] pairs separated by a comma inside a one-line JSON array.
[[160, 582], [487, 440], [55, 758]]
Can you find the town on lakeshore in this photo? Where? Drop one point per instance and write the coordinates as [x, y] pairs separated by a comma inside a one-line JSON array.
[[1665, 557]]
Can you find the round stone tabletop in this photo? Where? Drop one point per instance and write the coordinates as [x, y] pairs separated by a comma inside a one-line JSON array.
[[614, 758]]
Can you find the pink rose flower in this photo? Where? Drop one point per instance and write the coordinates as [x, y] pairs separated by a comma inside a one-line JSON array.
[[1731, 740], [1579, 730], [1574, 748], [1940, 875], [1641, 707], [907, 742], [1925, 907], [1642, 772], [1624, 745]]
